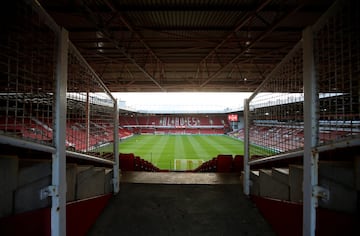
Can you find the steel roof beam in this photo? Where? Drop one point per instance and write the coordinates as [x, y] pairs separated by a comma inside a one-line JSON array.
[[259, 38], [116, 43], [178, 8], [114, 10], [244, 20]]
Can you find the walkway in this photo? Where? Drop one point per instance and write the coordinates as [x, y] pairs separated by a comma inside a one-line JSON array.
[[177, 206]]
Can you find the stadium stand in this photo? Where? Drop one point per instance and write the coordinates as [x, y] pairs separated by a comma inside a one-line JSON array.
[[293, 136], [175, 124]]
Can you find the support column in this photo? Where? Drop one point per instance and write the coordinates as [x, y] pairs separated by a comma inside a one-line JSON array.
[[310, 135], [58, 188], [116, 169], [246, 177], [87, 121]]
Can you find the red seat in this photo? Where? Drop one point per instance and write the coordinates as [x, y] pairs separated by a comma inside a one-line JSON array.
[[224, 163], [238, 163], [126, 161]]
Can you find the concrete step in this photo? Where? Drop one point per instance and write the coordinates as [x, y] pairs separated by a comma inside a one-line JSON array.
[[35, 175], [270, 187], [296, 183], [254, 178], [281, 175], [32, 170], [71, 172], [108, 185]]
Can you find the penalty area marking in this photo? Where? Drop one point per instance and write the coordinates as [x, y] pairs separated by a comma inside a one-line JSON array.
[[187, 164]]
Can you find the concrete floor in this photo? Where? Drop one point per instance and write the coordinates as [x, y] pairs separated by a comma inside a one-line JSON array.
[[172, 208]]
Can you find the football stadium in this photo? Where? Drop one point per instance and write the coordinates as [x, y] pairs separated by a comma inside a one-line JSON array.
[[77, 158]]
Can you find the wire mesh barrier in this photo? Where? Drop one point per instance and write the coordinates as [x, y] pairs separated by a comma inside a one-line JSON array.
[[337, 62], [27, 72], [276, 112], [276, 109], [49, 97], [308, 107], [90, 108]]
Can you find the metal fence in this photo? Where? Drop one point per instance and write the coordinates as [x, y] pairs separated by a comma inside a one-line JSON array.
[[28, 64], [337, 65], [276, 112], [309, 103], [276, 109], [90, 108], [49, 97], [27, 76]]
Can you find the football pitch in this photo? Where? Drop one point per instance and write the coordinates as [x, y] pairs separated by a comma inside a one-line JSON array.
[[180, 152]]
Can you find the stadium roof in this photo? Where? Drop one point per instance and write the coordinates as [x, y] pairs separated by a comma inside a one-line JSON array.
[[160, 103], [184, 45]]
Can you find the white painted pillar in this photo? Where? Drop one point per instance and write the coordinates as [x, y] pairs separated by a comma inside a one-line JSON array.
[[310, 135], [58, 188], [87, 120], [116, 177], [246, 177]]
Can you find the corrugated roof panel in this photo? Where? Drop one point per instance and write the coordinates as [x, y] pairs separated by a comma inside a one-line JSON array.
[[184, 19]]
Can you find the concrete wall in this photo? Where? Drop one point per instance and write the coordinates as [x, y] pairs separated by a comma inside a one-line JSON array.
[[296, 183], [22, 180], [254, 188], [71, 172], [90, 182], [8, 182], [357, 173], [270, 187], [34, 175], [108, 184], [338, 177]]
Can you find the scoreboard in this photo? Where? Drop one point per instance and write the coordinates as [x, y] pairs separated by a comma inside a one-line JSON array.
[[233, 117]]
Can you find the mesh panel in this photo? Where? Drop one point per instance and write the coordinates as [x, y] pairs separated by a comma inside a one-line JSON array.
[[276, 112], [276, 108], [337, 60], [28, 54], [27, 74], [90, 110]]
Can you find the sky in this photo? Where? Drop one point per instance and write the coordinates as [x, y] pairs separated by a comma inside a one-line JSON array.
[[190, 101]]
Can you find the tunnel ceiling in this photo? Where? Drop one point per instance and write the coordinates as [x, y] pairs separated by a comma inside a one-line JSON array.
[[184, 45]]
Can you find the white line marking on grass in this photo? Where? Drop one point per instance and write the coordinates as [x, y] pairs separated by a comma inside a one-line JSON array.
[[187, 164]]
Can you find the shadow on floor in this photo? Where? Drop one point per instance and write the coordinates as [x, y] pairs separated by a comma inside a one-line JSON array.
[[166, 209]]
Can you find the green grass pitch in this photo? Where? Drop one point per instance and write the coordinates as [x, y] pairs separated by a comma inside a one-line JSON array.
[[163, 150]]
